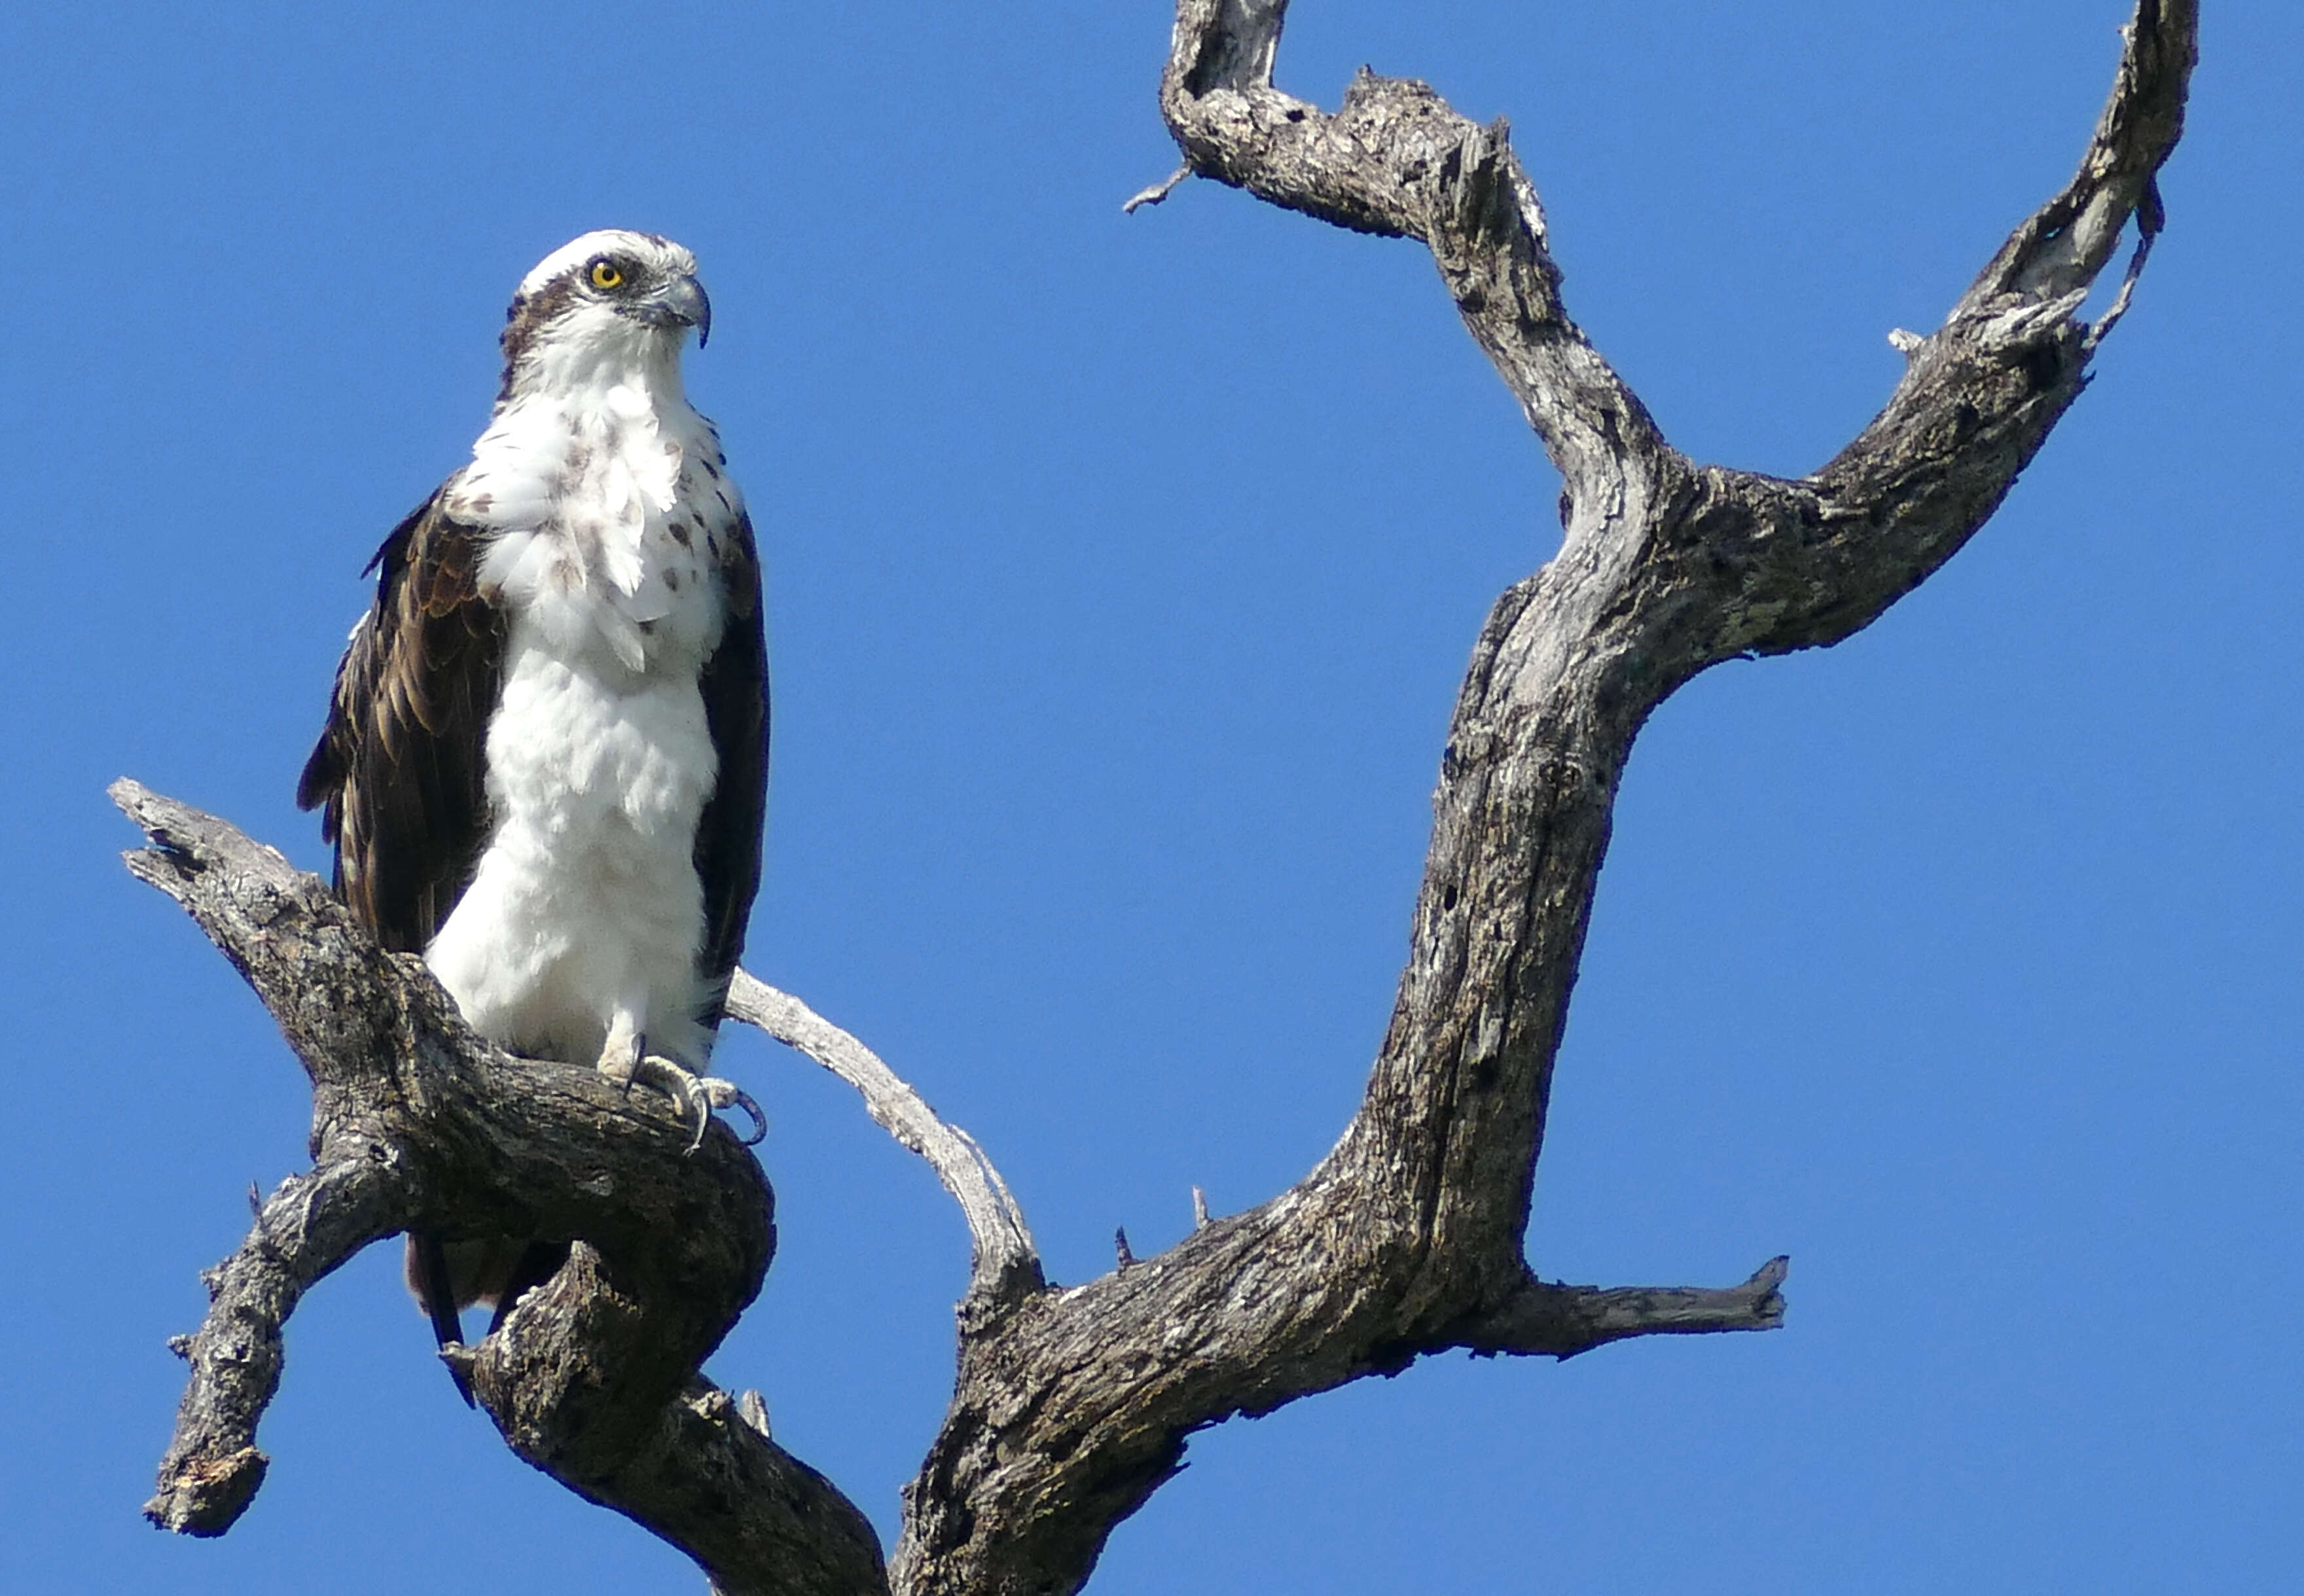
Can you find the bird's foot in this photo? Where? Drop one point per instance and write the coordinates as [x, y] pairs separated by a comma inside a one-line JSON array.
[[691, 1093]]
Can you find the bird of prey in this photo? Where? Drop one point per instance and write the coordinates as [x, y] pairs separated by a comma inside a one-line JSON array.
[[545, 760]]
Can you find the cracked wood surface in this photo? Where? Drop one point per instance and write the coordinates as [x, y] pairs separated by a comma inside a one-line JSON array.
[[1071, 1406]]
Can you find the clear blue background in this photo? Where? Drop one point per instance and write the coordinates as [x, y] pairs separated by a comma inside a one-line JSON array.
[[1123, 568]]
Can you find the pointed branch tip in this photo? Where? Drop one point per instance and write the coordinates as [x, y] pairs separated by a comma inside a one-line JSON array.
[[1156, 192]]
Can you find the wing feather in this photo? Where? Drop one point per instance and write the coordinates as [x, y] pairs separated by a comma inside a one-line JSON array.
[[400, 772], [735, 687]]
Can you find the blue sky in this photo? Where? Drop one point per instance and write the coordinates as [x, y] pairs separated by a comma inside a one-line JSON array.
[[1121, 573]]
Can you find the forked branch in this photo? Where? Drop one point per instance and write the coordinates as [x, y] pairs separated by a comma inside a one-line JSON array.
[[416, 1121], [1407, 1238]]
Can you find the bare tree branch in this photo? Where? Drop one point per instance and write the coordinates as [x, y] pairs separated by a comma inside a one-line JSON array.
[[1155, 193], [1395, 160], [416, 1121], [2066, 242], [312, 1224], [1549, 1321], [1407, 1238], [1006, 1264]]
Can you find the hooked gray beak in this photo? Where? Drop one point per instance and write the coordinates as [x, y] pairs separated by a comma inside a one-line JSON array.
[[681, 302]]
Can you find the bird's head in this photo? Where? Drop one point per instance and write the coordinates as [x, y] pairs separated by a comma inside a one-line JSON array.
[[609, 302]]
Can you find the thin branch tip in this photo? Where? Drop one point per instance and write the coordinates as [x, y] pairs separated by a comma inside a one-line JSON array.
[[1006, 1264], [1155, 193]]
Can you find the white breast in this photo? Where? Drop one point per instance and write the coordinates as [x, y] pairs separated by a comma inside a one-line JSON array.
[[609, 512], [582, 926]]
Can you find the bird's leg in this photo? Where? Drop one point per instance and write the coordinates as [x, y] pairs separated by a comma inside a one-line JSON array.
[[700, 1094], [625, 1049], [626, 1059], [433, 1282]]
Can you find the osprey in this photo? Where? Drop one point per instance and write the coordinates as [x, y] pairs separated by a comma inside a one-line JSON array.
[[545, 760]]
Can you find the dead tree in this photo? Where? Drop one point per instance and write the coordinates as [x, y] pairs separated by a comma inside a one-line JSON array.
[[1071, 1406]]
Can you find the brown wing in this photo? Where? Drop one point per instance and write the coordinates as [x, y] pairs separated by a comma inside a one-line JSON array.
[[400, 772], [735, 687]]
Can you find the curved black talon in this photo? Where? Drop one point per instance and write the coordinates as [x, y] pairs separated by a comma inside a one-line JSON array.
[[759, 1120]]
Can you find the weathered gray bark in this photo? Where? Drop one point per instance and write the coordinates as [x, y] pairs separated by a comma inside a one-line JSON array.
[[1070, 1408], [417, 1122]]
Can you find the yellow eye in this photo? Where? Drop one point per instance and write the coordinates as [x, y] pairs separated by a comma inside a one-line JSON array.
[[607, 273]]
